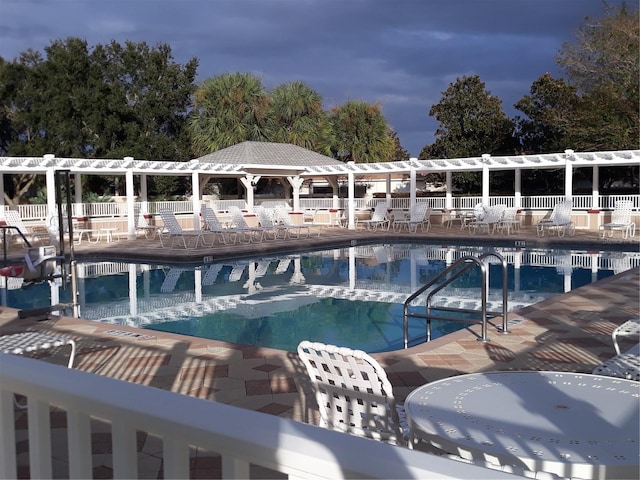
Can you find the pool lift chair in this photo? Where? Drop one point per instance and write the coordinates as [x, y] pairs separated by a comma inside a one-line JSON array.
[[353, 393]]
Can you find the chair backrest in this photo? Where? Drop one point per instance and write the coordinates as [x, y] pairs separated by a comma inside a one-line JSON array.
[[621, 214], [509, 214], [418, 212], [170, 222], [265, 219], [353, 392], [561, 214], [380, 212], [494, 213], [479, 211], [283, 216], [238, 219], [13, 219], [211, 219]]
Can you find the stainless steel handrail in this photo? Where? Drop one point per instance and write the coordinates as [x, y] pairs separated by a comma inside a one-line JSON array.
[[466, 262]]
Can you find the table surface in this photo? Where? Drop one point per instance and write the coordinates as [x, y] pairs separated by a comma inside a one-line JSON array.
[[573, 425], [26, 342]]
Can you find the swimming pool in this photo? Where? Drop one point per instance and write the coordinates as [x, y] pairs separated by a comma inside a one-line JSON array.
[[348, 296]]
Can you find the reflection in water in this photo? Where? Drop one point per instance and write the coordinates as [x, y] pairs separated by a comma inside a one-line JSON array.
[[348, 296]]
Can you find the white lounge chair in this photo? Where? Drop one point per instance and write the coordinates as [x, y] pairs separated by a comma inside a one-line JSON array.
[[353, 393], [141, 225], [378, 217], [293, 230], [13, 219], [630, 328], [490, 221], [174, 231], [211, 274], [272, 230], [214, 226], [171, 280], [620, 220], [242, 228], [419, 214], [624, 365], [559, 220]]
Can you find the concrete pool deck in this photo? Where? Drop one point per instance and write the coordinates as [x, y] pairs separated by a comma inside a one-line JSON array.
[[568, 332]]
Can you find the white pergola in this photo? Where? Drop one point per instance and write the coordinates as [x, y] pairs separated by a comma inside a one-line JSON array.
[[250, 161]]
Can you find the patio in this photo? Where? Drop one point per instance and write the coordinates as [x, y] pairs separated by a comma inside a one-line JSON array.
[[569, 332]]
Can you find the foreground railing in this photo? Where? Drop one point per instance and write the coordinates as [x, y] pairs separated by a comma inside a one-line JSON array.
[[241, 437]]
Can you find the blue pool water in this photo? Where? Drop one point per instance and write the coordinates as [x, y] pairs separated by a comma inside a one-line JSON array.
[[347, 296]]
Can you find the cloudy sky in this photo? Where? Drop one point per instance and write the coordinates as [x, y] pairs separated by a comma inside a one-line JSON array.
[[400, 53]]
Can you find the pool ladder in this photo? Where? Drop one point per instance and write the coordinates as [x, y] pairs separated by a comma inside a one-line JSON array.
[[449, 275]]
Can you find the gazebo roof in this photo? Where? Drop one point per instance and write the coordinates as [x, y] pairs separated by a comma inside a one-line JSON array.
[[268, 154]]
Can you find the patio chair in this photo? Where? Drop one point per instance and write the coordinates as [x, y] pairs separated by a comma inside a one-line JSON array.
[[630, 328], [309, 216], [620, 220], [283, 218], [353, 393], [272, 230], [490, 221], [213, 225], [559, 220], [141, 225], [419, 214], [242, 228], [624, 365], [13, 219], [171, 280], [510, 221], [211, 274], [378, 217], [175, 232]]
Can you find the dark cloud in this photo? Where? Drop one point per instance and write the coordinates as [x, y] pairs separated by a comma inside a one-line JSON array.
[[400, 53]]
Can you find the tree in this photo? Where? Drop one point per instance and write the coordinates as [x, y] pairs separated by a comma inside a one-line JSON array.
[[228, 109], [361, 133], [108, 102], [296, 116], [596, 107], [549, 110], [399, 153], [472, 121]]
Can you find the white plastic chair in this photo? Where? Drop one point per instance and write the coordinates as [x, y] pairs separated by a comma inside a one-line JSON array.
[[176, 233], [419, 214], [490, 221], [214, 226], [353, 393], [559, 220], [620, 220], [282, 216], [13, 219], [242, 228], [378, 217]]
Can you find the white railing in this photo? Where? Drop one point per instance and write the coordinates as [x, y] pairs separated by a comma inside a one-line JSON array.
[[533, 203], [241, 437]]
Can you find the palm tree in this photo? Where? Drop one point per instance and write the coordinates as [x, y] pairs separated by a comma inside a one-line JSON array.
[[296, 116], [228, 109]]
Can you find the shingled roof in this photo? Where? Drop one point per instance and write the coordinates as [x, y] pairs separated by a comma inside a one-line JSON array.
[[268, 154]]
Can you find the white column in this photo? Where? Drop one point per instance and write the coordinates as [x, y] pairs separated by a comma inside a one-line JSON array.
[[296, 185], [517, 194], [144, 200], [352, 202], [77, 188], [1, 189], [133, 289], [448, 199], [131, 194], [388, 189], [197, 281], [568, 175], [50, 177], [485, 178], [352, 268], [248, 183], [412, 187], [195, 190], [595, 188], [335, 187]]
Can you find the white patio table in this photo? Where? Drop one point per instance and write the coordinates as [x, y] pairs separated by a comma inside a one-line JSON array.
[[570, 424]]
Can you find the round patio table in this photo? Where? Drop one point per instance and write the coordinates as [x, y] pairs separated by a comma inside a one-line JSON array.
[[569, 424]]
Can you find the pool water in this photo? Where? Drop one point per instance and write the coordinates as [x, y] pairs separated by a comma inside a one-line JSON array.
[[348, 296]]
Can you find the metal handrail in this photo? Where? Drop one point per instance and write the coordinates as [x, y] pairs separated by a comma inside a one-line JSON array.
[[467, 262]]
